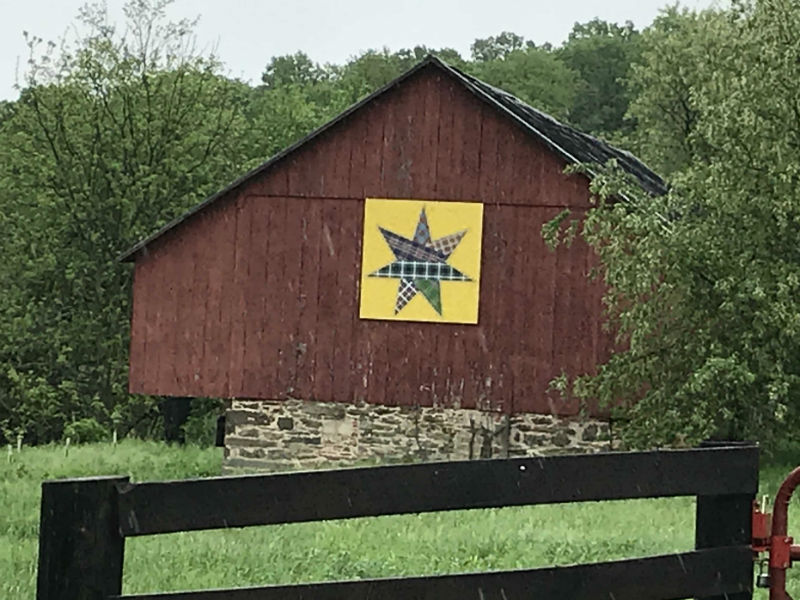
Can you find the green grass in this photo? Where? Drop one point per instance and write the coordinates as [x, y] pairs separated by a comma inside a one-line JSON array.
[[372, 547]]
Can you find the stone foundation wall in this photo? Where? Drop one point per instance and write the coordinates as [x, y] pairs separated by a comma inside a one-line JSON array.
[[296, 434]]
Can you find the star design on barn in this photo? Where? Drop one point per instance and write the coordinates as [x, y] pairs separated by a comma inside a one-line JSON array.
[[421, 264]]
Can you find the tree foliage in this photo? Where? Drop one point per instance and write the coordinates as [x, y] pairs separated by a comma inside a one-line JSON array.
[[672, 66], [703, 282], [498, 47], [112, 135], [536, 75], [602, 54]]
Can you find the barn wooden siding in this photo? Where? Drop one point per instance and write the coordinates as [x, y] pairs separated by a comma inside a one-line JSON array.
[[257, 295]]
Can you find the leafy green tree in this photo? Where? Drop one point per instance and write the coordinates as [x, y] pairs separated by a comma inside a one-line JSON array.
[[602, 54], [497, 47], [111, 137], [6, 110], [293, 70], [297, 96], [535, 75], [279, 116], [703, 282], [673, 64]]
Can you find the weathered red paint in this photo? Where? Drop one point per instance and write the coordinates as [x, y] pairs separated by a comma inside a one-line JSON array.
[[256, 296]]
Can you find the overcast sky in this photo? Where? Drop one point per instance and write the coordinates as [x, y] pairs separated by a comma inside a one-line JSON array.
[[246, 33]]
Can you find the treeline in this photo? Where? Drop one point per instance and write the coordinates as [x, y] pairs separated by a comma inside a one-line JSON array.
[[125, 128]]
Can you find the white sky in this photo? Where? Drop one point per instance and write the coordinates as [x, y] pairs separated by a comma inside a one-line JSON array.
[[246, 33]]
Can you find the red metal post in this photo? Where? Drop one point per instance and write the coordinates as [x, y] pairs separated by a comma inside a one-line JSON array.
[[781, 550], [761, 528]]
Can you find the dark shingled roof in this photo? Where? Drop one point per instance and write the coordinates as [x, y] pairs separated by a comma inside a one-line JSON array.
[[574, 146]]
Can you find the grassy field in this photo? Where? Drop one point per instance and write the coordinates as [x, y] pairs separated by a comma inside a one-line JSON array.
[[374, 547]]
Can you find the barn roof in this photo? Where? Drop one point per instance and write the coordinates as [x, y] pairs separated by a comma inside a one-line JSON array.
[[572, 145]]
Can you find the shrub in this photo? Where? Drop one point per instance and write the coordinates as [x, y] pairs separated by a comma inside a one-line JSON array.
[[86, 431]]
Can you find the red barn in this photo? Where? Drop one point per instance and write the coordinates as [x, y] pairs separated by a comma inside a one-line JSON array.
[[254, 295]]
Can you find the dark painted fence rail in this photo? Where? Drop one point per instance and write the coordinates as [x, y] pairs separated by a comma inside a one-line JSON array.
[[84, 523]]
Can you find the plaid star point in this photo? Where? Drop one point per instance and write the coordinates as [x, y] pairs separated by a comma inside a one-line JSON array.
[[421, 264]]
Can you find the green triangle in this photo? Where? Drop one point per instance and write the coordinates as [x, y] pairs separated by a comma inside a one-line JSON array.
[[431, 289]]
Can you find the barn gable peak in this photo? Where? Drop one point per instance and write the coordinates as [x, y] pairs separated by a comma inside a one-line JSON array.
[[571, 145]]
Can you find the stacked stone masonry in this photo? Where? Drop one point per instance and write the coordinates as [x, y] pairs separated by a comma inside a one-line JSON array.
[[297, 434]]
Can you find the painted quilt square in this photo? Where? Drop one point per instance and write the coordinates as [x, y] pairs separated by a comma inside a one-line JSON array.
[[421, 260]]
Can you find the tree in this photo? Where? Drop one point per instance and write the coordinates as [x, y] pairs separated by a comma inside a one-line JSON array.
[[497, 47], [602, 54], [293, 69], [703, 282], [673, 65], [536, 75], [297, 96], [112, 136], [279, 116], [6, 110]]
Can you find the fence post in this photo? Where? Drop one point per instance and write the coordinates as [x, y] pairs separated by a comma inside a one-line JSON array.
[[726, 520], [80, 545]]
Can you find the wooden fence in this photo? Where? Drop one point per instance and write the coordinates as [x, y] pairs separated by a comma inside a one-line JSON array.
[[84, 523]]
